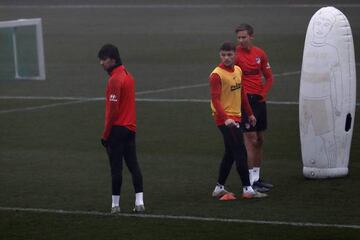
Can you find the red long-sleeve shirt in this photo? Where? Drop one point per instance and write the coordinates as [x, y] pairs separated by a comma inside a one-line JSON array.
[[254, 63], [215, 91], [120, 101]]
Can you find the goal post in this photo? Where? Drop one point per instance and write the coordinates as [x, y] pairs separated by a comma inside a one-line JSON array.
[[28, 52]]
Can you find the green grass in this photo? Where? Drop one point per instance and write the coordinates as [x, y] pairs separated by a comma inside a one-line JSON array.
[[65, 166], [49, 226], [52, 158]]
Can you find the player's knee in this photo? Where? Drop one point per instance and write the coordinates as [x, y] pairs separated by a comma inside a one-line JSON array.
[[255, 141], [259, 142]]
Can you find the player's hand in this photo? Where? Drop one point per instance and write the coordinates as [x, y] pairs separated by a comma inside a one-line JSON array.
[[104, 142], [252, 120], [262, 97], [231, 123]]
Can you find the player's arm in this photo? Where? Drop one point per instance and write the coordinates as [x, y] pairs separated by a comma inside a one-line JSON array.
[[111, 111], [267, 72], [247, 108], [215, 91]]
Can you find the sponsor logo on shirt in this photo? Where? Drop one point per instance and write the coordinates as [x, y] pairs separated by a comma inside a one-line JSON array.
[[252, 72], [236, 86], [113, 98]]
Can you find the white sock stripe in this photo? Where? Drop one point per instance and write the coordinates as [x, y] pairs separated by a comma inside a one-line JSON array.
[[191, 218]]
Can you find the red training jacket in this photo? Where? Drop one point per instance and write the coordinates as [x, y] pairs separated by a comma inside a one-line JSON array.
[[120, 101], [254, 63]]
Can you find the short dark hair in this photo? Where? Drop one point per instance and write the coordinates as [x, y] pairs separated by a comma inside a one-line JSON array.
[[110, 51], [227, 46], [245, 27]]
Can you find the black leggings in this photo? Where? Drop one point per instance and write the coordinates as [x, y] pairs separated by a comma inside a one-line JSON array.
[[122, 146], [234, 151]]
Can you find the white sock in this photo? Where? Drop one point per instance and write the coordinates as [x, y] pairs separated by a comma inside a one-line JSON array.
[[251, 178], [115, 200], [248, 189], [256, 174], [139, 198]]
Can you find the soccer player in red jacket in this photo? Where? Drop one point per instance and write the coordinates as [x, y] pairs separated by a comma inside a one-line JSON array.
[[227, 100], [254, 63], [120, 126]]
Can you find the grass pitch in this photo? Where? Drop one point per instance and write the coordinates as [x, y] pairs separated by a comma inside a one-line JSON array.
[[50, 152]]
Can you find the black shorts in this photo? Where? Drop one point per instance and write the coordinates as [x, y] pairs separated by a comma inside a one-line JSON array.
[[259, 110]]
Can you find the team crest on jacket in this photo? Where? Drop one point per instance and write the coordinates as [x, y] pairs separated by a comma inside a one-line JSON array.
[[113, 98], [258, 60]]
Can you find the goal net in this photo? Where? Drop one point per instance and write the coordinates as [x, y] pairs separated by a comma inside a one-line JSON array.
[[22, 49]]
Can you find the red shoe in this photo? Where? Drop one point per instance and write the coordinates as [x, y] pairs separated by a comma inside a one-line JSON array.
[[228, 197]]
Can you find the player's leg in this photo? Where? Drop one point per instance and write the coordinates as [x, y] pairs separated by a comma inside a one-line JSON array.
[[250, 140], [240, 157], [254, 140], [115, 152], [227, 160], [250, 136], [134, 168], [254, 143], [225, 164]]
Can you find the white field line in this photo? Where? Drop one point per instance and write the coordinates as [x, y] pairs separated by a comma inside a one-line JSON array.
[[174, 217], [202, 85], [40, 107], [172, 88], [179, 100], [286, 74], [82, 100], [51, 98], [86, 99], [173, 100], [169, 6]]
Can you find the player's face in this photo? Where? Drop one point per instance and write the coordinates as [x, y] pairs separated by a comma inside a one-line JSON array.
[[244, 39], [107, 63], [227, 58]]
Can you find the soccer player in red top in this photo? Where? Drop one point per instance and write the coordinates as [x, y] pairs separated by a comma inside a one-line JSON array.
[[254, 63], [120, 126], [227, 100]]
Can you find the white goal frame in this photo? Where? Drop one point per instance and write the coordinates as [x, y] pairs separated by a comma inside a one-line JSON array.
[[14, 24]]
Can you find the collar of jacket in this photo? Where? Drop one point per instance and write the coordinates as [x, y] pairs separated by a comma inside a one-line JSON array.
[[115, 68]]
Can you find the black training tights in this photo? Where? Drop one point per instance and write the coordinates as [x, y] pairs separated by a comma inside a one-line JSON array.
[[122, 146], [234, 151]]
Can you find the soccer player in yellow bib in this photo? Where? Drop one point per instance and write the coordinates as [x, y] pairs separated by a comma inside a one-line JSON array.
[[227, 99]]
